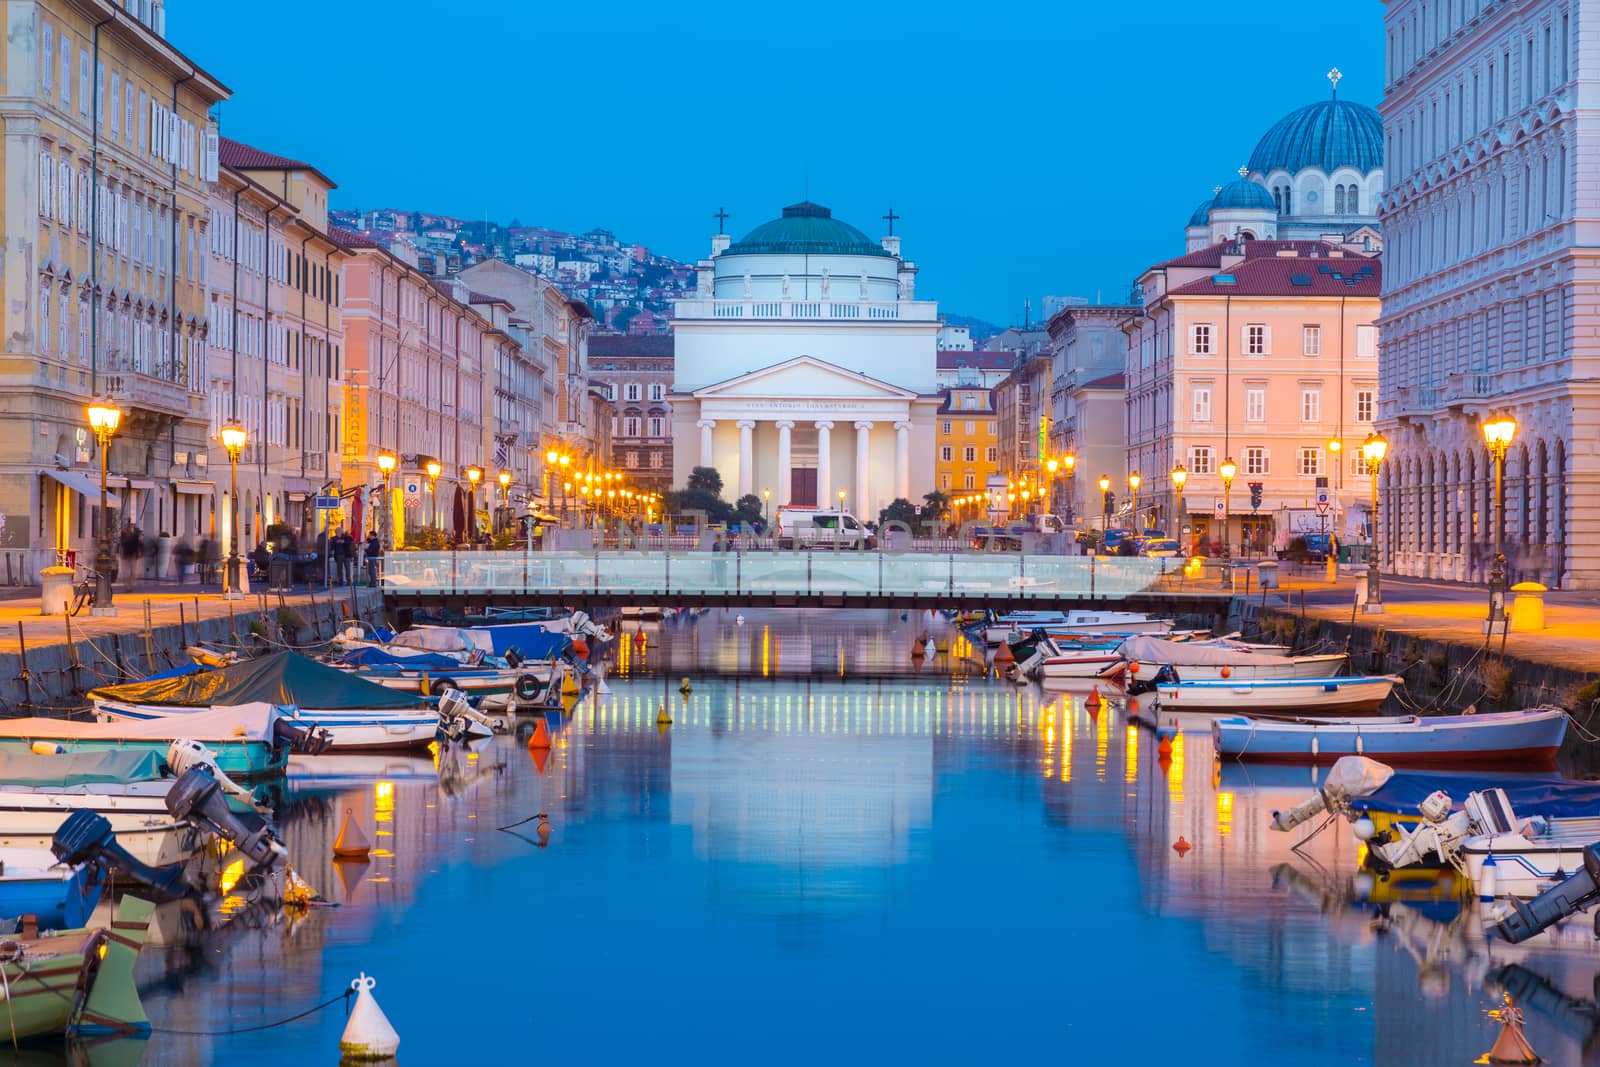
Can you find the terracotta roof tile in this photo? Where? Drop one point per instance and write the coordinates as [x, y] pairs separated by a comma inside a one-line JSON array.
[[1293, 276], [979, 360], [1212, 257], [1110, 381], [616, 345]]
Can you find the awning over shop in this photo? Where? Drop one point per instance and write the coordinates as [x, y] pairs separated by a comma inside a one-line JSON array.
[[117, 481], [297, 488], [83, 482], [194, 488]]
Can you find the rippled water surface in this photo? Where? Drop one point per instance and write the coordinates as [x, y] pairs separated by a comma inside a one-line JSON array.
[[831, 856]]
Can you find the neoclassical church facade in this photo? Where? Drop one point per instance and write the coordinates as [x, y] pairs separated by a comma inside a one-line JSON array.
[[807, 367]]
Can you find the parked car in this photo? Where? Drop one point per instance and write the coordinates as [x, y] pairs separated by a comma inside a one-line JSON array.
[[802, 527], [1159, 546]]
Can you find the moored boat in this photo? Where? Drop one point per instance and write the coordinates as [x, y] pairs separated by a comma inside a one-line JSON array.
[[246, 739], [1151, 660], [1513, 738], [80, 980], [1340, 696]]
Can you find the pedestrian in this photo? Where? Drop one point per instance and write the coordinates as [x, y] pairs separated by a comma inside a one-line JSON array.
[[208, 557], [344, 552], [131, 552], [374, 552]]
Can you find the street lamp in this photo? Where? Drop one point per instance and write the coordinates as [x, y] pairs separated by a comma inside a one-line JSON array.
[[1228, 469], [1498, 433], [387, 462], [766, 507], [434, 469], [1133, 483], [233, 439], [104, 418], [1180, 475], [1105, 502], [1373, 449], [504, 478], [474, 476]]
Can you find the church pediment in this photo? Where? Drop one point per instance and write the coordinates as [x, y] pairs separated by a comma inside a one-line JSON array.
[[804, 376]]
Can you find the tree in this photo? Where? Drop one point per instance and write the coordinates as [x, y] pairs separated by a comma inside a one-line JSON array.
[[899, 510], [936, 506], [748, 511], [706, 480]]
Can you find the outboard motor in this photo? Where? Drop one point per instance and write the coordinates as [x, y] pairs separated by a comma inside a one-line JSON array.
[[1578, 893], [183, 754], [86, 837], [514, 657], [1167, 675], [457, 716], [302, 740], [198, 798]]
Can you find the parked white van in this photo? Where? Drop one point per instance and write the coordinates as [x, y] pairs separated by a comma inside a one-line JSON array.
[[803, 527]]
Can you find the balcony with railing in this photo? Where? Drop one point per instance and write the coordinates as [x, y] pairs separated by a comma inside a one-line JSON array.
[[154, 387], [809, 310], [1467, 386]]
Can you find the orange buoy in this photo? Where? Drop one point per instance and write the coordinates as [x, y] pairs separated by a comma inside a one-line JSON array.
[[580, 648], [1164, 746], [541, 734], [1003, 654], [1094, 698], [352, 842], [1181, 846], [639, 638], [1133, 666], [543, 830], [1511, 1046], [540, 757], [1226, 672]]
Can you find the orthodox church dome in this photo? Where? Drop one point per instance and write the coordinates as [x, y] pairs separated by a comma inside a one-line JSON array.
[[1202, 214], [806, 229], [1241, 193], [1328, 135]]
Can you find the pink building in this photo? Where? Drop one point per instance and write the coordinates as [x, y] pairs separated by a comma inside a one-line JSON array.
[[1266, 353]]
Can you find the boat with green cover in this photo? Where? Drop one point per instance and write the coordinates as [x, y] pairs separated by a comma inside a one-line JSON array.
[[247, 739]]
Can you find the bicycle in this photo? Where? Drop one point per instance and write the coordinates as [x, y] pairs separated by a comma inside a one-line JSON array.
[[83, 592]]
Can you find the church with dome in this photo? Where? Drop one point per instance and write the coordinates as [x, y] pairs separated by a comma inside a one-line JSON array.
[[806, 367], [1316, 175]]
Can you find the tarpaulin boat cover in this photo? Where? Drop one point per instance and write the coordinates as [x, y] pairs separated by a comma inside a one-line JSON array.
[[179, 671], [79, 768], [368, 656], [244, 722], [1190, 654], [1529, 794], [279, 678], [533, 640]]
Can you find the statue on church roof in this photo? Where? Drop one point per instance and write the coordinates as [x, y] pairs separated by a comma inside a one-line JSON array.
[[863, 285], [747, 285], [824, 283], [786, 285]]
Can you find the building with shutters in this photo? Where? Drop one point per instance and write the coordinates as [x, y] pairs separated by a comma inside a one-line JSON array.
[[636, 374], [1262, 352], [106, 153], [275, 344], [967, 448]]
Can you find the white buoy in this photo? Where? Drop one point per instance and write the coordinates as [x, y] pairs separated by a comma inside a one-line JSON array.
[[1488, 880], [1364, 828], [368, 1035]]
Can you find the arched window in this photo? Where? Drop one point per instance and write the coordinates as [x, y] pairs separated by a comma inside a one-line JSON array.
[[1338, 200], [1352, 199]]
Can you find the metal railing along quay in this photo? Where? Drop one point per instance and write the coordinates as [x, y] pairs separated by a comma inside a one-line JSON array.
[[955, 578]]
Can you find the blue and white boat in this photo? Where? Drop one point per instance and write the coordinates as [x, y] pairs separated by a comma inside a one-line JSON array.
[[34, 882], [1354, 695], [1519, 739]]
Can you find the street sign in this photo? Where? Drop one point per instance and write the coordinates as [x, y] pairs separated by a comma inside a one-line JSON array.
[[1219, 507], [413, 493], [327, 503], [1322, 507], [1322, 499]]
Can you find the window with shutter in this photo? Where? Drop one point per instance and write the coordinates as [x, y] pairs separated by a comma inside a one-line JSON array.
[[116, 91], [66, 71], [1255, 404], [128, 120], [47, 60], [144, 124], [83, 84]]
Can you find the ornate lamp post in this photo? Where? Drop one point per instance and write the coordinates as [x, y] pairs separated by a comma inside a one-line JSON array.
[[1498, 433], [1133, 483], [766, 507], [434, 469], [552, 463], [233, 439], [474, 476], [104, 418], [1228, 469], [504, 478], [1179, 476], [1105, 502], [1373, 450], [1331, 541], [387, 461]]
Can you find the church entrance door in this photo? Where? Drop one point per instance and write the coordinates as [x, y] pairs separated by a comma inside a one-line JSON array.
[[803, 486]]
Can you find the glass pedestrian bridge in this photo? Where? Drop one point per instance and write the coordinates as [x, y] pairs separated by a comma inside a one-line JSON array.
[[821, 577]]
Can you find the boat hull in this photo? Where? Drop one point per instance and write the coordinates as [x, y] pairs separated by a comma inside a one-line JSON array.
[[1085, 666], [358, 730], [1270, 667], [1297, 697], [1515, 740]]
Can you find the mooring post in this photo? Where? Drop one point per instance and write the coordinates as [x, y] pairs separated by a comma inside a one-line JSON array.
[[27, 685], [72, 656]]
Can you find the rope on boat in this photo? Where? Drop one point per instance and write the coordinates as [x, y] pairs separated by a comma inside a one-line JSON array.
[[344, 996], [10, 951]]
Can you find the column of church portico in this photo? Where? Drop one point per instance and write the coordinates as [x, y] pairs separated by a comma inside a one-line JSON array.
[[902, 460], [706, 426], [863, 466], [785, 462], [824, 464], [747, 471]]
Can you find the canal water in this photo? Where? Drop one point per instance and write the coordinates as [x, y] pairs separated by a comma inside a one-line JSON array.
[[834, 853]]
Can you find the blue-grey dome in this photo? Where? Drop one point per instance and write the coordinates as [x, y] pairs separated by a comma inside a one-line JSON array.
[[1246, 194], [806, 229], [1328, 135], [1202, 214]]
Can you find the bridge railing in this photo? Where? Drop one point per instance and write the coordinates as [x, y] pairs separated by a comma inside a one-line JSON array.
[[776, 573]]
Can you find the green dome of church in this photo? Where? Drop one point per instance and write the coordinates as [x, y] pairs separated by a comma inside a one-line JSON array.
[[806, 229]]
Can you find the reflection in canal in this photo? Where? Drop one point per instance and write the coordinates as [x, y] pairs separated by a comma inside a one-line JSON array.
[[833, 851]]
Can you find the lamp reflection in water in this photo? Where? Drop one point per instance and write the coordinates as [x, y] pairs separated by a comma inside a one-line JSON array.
[[1130, 769]]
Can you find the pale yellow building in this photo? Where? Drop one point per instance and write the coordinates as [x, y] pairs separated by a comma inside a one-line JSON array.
[[106, 153]]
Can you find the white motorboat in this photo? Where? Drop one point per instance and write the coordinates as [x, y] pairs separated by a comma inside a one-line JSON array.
[[1087, 663], [137, 811], [1352, 695], [1007, 627], [346, 729], [1194, 661]]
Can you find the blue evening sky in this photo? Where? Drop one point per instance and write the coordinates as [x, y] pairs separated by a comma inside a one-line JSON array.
[[1032, 148]]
